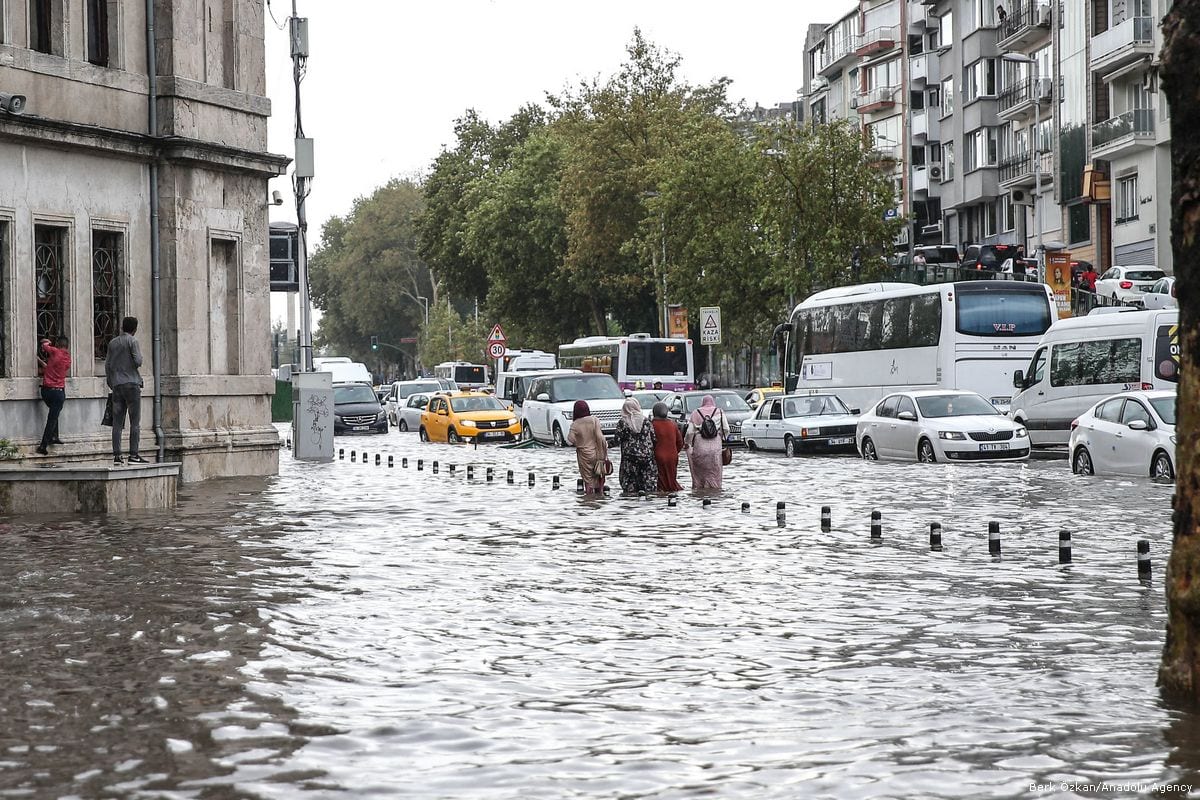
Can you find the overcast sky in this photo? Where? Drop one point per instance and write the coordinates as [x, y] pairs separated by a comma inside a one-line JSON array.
[[387, 78]]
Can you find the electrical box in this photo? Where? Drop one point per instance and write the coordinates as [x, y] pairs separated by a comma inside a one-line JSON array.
[[299, 37], [304, 158]]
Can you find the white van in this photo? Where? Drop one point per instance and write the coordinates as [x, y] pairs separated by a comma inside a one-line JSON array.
[[550, 400], [512, 386], [1080, 361], [346, 371], [526, 360]]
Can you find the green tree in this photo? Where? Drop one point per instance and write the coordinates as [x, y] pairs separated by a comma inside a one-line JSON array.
[[452, 337], [367, 275]]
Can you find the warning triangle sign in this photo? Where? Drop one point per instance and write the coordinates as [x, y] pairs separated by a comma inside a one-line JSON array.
[[710, 321], [497, 334]]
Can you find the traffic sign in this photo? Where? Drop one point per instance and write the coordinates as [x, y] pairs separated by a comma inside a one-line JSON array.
[[496, 350], [710, 325], [497, 335]]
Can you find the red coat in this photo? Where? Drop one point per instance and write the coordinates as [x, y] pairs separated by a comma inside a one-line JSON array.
[[668, 441]]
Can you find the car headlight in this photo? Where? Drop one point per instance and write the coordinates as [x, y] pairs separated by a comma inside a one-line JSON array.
[[468, 423], [381, 415], [957, 435], [806, 432], [1021, 433], [568, 415], [1172, 438], [512, 420]]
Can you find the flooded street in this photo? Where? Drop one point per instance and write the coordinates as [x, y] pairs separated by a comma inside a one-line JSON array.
[[358, 631]]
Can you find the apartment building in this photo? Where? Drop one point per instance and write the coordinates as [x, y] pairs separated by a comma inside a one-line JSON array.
[[134, 183]]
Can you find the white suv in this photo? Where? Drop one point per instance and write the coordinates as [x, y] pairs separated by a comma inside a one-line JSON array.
[[1127, 284], [550, 401]]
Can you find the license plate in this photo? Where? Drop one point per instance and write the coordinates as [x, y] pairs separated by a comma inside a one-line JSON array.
[[1144, 288], [360, 428], [1001, 446], [842, 440], [1001, 401], [493, 434]]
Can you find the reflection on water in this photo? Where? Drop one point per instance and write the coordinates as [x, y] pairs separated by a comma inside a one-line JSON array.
[[358, 630]]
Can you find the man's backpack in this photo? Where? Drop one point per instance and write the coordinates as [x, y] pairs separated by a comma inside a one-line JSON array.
[[708, 428]]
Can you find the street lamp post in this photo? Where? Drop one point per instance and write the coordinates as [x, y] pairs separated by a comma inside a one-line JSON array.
[[1035, 94], [425, 302]]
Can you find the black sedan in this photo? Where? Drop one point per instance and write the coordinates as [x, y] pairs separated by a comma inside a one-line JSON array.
[[356, 409], [736, 410]]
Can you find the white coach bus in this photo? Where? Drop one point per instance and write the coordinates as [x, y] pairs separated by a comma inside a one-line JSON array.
[[862, 342]]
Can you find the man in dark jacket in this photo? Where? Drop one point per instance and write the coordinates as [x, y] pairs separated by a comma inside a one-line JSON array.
[[121, 372]]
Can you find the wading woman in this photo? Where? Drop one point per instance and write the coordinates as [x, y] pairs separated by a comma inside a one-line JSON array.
[[635, 435], [705, 439], [668, 441], [591, 449]]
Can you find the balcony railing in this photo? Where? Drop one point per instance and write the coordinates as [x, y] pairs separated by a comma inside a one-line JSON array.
[[835, 51], [1136, 123], [1132, 35], [1023, 18], [877, 98], [1023, 92], [876, 39], [1016, 167]]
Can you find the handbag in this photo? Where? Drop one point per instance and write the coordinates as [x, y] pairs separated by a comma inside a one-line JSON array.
[[107, 419], [607, 467], [726, 455]]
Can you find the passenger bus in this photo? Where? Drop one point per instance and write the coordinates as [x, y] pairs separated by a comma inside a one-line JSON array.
[[862, 342], [465, 375], [635, 361]]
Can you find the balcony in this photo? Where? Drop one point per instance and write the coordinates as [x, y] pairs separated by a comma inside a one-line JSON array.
[[925, 67], [1027, 23], [1123, 44], [1018, 170], [926, 178], [884, 155], [1016, 101], [925, 126], [839, 53], [919, 18], [877, 99], [1123, 135], [875, 41]]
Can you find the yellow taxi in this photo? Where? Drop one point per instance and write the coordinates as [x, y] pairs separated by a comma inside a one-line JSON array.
[[755, 396], [466, 416]]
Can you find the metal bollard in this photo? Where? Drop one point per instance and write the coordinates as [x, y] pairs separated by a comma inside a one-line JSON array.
[[435, 468], [489, 474], [365, 454], [510, 476], [420, 464], [352, 455], [1064, 547], [994, 538], [706, 502], [378, 458], [745, 507], [452, 468], [579, 485], [554, 484], [470, 472], [531, 479], [670, 500], [289, 443], [826, 519], [876, 525], [935, 537], [341, 453], [391, 461], [404, 462], [1143, 558], [781, 513]]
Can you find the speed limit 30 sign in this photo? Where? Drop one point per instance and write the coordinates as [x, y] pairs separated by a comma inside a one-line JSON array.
[[496, 350]]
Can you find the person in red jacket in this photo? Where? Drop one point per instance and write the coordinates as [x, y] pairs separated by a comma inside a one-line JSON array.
[[55, 365]]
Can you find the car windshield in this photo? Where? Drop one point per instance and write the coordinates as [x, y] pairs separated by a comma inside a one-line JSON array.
[[955, 405], [585, 387], [1143, 274], [813, 406], [461, 404], [428, 387], [726, 401], [1165, 408], [354, 394], [648, 399]]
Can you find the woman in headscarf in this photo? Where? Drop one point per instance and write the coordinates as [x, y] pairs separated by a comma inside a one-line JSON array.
[[704, 453], [668, 441], [635, 435], [591, 449]]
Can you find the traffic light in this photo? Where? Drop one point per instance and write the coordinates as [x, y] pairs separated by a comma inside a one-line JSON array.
[[374, 342]]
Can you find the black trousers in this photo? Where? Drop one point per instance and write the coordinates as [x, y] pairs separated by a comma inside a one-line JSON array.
[[54, 399]]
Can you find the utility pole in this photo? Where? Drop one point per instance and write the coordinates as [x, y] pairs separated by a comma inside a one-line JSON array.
[[302, 175]]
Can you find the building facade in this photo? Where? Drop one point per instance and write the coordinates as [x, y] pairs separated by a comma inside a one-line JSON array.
[[135, 183], [1020, 121]]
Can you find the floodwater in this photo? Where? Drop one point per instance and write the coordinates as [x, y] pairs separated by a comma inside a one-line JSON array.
[[350, 630]]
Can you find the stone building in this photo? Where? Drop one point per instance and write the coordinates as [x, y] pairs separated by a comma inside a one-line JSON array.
[[135, 183]]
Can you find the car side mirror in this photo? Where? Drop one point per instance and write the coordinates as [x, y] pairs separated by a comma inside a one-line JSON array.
[[1138, 425], [907, 416], [627, 392], [856, 411], [510, 406], [443, 412], [543, 398], [1018, 379]]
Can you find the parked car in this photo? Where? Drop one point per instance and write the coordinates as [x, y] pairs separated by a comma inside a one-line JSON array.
[[802, 423], [647, 398], [549, 404], [401, 390], [1127, 284], [461, 416], [939, 425], [1132, 433], [1161, 295], [988, 256], [682, 404], [408, 416], [356, 409], [942, 255], [755, 397]]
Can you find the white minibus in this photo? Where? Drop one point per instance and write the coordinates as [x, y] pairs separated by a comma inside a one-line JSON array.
[[1081, 361], [467, 376]]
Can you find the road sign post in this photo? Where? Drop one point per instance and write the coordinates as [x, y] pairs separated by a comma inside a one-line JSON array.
[[710, 331], [496, 341]]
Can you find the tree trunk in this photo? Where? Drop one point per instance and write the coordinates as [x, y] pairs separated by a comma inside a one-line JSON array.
[[1179, 675]]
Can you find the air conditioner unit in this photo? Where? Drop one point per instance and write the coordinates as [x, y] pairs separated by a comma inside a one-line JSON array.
[[935, 172], [930, 230], [854, 100], [1045, 88], [1043, 15], [1020, 197]]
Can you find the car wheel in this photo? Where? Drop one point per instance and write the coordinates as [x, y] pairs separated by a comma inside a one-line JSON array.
[[453, 437], [1115, 299], [403, 426], [526, 432], [424, 434], [1081, 463], [925, 452], [559, 439], [789, 447], [1160, 467], [868, 450], [750, 445]]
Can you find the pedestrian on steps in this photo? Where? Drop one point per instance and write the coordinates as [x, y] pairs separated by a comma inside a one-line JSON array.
[[55, 366], [121, 365]]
